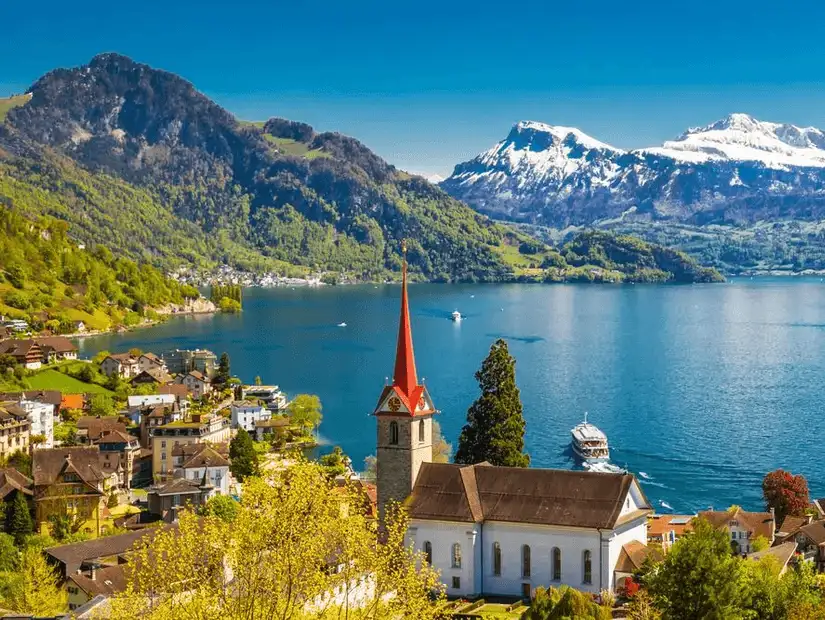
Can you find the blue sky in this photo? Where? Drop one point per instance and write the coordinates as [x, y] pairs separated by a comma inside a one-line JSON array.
[[429, 84]]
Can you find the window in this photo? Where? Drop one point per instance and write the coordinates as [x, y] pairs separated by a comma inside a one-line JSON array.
[[176, 500], [456, 583], [163, 443], [525, 560], [588, 567], [456, 555], [421, 431], [428, 551], [496, 559], [393, 433], [556, 564]]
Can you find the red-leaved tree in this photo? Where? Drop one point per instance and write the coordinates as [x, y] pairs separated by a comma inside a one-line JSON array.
[[785, 493]]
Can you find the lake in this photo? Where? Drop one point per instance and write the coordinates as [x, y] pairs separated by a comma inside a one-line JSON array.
[[704, 388]]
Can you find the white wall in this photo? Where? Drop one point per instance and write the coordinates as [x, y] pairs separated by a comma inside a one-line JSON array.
[[218, 476], [41, 416], [604, 547], [245, 417]]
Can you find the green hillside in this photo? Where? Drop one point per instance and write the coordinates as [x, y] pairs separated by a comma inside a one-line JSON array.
[[7, 103], [47, 280]]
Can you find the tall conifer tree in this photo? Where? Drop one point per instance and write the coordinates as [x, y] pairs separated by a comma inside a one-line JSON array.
[[495, 425]]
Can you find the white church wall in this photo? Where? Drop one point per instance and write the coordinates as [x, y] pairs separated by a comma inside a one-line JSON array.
[[442, 535]]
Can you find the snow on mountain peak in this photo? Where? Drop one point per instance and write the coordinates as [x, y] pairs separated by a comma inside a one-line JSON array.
[[558, 133], [741, 137]]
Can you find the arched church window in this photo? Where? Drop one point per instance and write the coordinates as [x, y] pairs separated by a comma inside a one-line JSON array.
[[393, 433], [421, 431], [525, 560], [588, 568], [428, 551], [556, 564], [496, 559], [456, 555]]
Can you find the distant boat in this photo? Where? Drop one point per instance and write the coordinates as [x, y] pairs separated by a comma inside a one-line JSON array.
[[604, 468], [456, 316], [644, 475], [342, 324], [664, 504], [589, 443]]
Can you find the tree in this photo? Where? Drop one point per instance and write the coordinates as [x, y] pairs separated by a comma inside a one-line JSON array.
[[441, 448], [100, 356], [223, 375], [495, 426], [243, 456], [258, 380], [305, 412], [641, 607], [222, 507], [8, 553], [786, 494], [21, 461], [565, 602], [36, 589], [334, 463], [19, 519], [277, 551], [102, 405], [699, 578]]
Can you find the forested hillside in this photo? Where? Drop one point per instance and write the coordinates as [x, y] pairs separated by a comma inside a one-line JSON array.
[[50, 282]]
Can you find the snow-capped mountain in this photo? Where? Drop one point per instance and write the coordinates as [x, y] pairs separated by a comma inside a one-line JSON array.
[[736, 169]]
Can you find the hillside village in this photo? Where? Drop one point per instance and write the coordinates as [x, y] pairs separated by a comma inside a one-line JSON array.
[[98, 486]]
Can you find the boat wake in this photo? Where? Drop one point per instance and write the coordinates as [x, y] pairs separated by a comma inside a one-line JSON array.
[[655, 484], [645, 475], [664, 504]]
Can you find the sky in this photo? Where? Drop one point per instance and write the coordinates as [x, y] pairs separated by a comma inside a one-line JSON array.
[[429, 84]]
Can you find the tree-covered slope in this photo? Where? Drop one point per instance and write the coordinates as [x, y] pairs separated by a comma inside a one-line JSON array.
[[179, 164], [47, 280]]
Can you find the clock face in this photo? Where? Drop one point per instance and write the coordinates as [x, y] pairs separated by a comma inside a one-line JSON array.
[[395, 404]]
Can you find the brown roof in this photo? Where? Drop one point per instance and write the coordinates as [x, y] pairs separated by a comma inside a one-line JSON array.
[[520, 495], [177, 486], [116, 436], [18, 348], [791, 525], [152, 358], [815, 532], [660, 525], [197, 374], [48, 463], [13, 480], [50, 397], [633, 556], [73, 555], [12, 412], [177, 389], [95, 426], [108, 580], [156, 374], [783, 553], [188, 450], [123, 358], [757, 523], [58, 344], [206, 457]]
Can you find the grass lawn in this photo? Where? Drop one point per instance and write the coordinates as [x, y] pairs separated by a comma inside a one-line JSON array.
[[288, 146], [496, 611], [50, 379]]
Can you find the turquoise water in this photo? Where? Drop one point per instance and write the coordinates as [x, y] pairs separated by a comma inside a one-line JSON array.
[[703, 388]]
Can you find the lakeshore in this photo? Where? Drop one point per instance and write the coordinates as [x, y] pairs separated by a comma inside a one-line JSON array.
[[689, 383]]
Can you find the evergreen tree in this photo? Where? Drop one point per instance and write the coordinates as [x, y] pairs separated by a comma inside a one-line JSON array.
[[242, 455], [19, 523], [223, 374], [495, 426]]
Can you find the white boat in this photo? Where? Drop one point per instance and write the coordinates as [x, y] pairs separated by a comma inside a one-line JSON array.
[[456, 316], [342, 324], [604, 468], [590, 443]]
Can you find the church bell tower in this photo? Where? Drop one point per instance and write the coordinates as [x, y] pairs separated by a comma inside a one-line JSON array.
[[405, 417]]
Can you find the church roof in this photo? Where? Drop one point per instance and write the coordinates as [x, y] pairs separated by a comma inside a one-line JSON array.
[[474, 493]]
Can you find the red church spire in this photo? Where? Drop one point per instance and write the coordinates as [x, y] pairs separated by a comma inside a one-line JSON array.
[[404, 377]]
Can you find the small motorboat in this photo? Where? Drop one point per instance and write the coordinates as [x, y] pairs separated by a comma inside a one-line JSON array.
[[456, 316], [342, 324], [604, 468]]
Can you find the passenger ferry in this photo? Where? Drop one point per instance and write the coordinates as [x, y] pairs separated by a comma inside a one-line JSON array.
[[590, 443], [456, 316]]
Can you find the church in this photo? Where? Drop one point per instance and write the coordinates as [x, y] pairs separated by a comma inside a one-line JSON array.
[[500, 531]]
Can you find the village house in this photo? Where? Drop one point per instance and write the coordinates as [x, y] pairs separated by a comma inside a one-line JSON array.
[[42, 417], [120, 455], [808, 539], [85, 584], [196, 382], [57, 349], [665, 529], [499, 531], [270, 395], [169, 498], [15, 430], [27, 353], [277, 426], [156, 416], [783, 553], [202, 463], [13, 482], [152, 376], [150, 361], [50, 397], [123, 365], [245, 414], [199, 428], [742, 527], [90, 428], [69, 480], [182, 361]]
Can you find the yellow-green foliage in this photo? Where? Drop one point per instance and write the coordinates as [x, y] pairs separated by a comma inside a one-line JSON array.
[[51, 282], [8, 103], [286, 146]]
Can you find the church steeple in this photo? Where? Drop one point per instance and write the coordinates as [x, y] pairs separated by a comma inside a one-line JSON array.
[[404, 377]]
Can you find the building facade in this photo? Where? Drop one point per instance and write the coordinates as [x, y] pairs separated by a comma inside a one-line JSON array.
[[121, 364], [245, 414], [41, 416], [15, 430], [205, 428]]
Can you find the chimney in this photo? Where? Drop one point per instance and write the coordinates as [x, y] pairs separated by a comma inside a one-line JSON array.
[[809, 518], [93, 572]]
